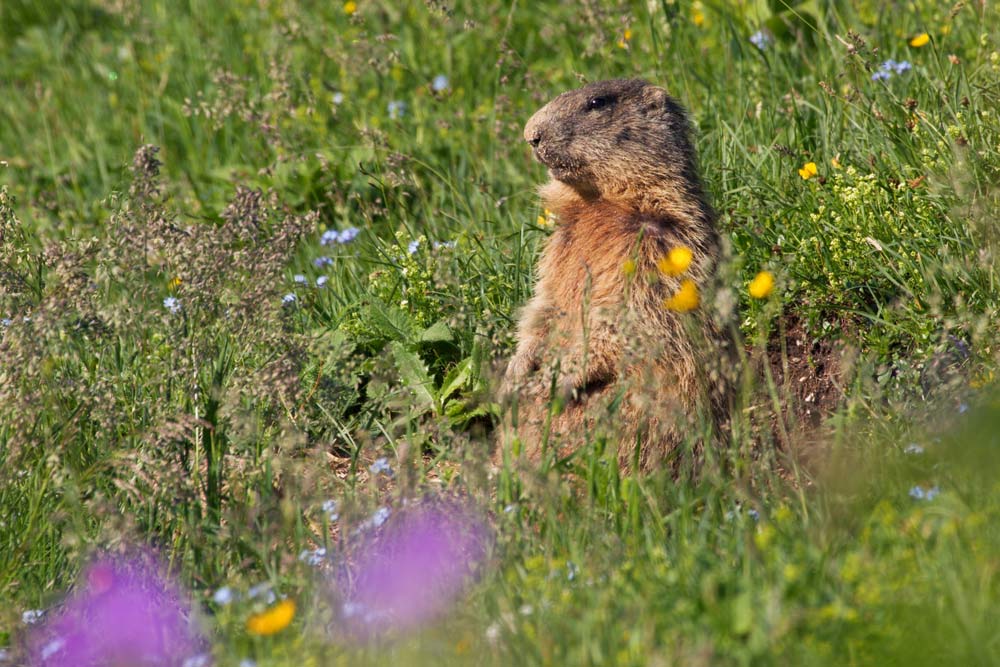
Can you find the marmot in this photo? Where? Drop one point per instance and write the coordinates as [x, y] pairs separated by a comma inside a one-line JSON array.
[[600, 351]]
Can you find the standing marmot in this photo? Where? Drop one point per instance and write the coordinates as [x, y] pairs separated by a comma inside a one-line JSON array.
[[613, 332]]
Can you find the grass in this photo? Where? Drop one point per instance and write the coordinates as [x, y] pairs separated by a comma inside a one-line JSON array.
[[217, 432]]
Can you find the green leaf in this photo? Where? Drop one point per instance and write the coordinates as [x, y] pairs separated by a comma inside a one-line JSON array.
[[456, 378], [414, 375], [436, 333]]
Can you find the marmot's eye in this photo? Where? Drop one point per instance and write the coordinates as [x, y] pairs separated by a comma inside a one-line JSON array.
[[598, 102]]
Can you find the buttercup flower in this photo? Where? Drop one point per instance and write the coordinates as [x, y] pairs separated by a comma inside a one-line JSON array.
[[350, 7], [923, 39], [677, 261], [808, 170], [686, 299], [762, 284], [273, 620]]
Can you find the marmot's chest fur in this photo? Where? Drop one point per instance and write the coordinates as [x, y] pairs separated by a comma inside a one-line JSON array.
[[625, 190]]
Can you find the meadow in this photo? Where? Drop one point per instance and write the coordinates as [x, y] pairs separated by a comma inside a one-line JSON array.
[[260, 267]]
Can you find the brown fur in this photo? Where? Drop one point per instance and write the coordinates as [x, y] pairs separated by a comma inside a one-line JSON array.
[[624, 188]]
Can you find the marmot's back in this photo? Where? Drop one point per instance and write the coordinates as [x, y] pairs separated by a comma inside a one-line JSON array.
[[604, 327]]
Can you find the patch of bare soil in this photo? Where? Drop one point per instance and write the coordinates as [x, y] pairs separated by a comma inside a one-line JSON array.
[[810, 375]]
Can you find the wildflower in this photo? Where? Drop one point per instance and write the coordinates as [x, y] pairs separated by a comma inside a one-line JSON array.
[[923, 39], [963, 407], [628, 267], [273, 620], [380, 517], [686, 298], [880, 75], [314, 557], [247, 662], [300, 279], [321, 281], [350, 7], [835, 162], [761, 39], [981, 380], [762, 284], [397, 109], [444, 244], [571, 570], [32, 616], [321, 262], [334, 237], [546, 218], [808, 170], [413, 570], [440, 83], [6, 322], [913, 448], [412, 246], [920, 493], [174, 283], [337, 98], [172, 304], [381, 465], [329, 508], [223, 596], [289, 299], [626, 38], [903, 67], [125, 614], [677, 261], [200, 660], [697, 13]]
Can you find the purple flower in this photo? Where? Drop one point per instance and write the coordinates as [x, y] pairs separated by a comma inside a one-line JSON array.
[[289, 299], [761, 39], [300, 279], [321, 281], [412, 246], [381, 465], [334, 237], [412, 570], [396, 109], [440, 83], [881, 75], [321, 262], [920, 493], [172, 304], [126, 613]]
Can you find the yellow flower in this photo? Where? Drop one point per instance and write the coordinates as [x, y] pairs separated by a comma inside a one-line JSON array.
[[623, 42], [686, 298], [835, 162], [677, 261], [547, 218], [698, 18], [981, 380], [350, 7], [923, 39], [761, 285], [808, 170], [628, 267], [273, 620], [174, 282]]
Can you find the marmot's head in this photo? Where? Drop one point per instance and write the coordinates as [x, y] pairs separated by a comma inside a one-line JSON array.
[[620, 139]]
